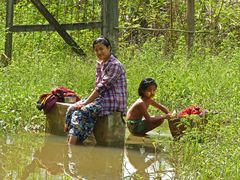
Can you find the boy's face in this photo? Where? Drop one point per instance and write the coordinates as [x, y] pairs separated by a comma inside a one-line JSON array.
[[150, 91]]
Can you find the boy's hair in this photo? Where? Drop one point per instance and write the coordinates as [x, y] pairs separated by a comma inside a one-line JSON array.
[[145, 83], [102, 40]]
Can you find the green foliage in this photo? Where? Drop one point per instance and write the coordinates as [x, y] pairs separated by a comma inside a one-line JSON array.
[[204, 79], [27, 78], [215, 158], [64, 11], [219, 21], [2, 27], [209, 77]]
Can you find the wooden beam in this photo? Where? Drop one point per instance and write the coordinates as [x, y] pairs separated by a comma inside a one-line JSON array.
[[168, 29], [49, 27], [9, 24], [61, 31]]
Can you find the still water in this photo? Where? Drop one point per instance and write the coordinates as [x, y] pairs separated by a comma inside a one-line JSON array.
[[44, 156]]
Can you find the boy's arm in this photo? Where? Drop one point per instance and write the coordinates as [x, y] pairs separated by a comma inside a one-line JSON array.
[[159, 106], [143, 109]]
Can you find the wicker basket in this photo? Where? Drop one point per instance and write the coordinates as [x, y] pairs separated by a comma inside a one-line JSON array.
[[176, 128]]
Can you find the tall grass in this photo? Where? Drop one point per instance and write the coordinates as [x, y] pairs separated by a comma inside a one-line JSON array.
[[204, 79], [211, 81]]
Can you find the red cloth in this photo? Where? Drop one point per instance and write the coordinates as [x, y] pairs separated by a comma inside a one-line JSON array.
[[190, 110], [47, 100], [62, 92]]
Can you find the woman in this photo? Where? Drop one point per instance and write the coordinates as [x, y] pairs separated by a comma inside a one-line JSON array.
[[110, 93]]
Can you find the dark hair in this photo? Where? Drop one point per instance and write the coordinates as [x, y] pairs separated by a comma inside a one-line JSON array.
[[102, 40], [145, 83]]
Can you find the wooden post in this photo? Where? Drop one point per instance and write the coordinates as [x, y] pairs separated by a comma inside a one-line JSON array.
[[9, 24], [171, 26], [110, 15], [190, 24]]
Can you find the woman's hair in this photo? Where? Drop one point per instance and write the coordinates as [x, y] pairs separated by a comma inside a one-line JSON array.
[[102, 40], [145, 83]]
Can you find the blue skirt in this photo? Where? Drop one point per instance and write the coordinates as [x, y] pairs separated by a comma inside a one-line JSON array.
[[80, 122]]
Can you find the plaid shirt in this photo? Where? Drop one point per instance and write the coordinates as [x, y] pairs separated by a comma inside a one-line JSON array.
[[112, 86]]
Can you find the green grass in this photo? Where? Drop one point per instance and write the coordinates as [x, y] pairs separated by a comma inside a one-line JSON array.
[[207, 80], [41, 61]]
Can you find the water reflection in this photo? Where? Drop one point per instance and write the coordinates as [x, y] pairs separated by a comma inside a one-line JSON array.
[[94, 162], [77, 162], [2, 170], [143, 160], [49, 157]]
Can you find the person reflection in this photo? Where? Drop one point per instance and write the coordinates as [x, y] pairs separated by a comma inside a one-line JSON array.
[[94, 162], [140, 158], [86, 161], [48, 157]]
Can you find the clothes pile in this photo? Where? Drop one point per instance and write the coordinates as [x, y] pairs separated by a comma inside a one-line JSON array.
[[47, 100], [178, 125], [192, 110]]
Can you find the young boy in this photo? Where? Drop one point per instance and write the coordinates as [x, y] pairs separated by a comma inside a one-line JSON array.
[[139, 122]]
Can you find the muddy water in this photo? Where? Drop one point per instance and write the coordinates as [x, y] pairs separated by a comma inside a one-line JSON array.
[[34, 156]]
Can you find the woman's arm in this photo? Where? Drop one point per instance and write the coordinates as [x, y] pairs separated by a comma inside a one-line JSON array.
[[90, 98]]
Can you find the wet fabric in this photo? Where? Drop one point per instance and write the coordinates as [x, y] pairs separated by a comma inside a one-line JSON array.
[[192, 110], [47, 100], [136, 126], [81, 122], [62, 92]]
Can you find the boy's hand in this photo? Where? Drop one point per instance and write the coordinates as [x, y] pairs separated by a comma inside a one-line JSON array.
[[173, 114], [168, 116]]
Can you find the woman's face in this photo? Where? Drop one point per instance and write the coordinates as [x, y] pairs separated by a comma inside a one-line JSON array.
[[102, 52], [150, 91]]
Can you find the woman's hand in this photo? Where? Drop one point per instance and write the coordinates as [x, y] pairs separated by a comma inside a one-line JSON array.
[[91, 98], [79, 106]]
